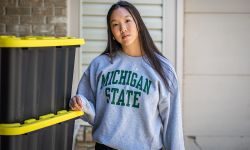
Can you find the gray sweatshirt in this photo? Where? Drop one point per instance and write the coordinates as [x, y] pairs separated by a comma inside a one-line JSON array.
[[129, 106]]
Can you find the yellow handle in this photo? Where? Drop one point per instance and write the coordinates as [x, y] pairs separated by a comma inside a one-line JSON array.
[[33, 124], [38, 41]]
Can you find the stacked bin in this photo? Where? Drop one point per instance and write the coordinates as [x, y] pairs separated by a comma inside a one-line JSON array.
[[36, 81]]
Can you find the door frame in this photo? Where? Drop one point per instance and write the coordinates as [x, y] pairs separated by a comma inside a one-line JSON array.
[[173, 38]]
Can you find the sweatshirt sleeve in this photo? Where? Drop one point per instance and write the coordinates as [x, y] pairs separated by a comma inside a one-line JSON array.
[[171, 115], [86, 91]]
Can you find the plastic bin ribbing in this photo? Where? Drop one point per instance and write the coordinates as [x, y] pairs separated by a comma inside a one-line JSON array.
[[36, 81]]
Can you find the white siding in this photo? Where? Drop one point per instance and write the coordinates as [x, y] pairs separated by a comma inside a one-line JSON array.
[[217, 44], [218, 143], [93, 25], [217, 74], [217, 105], [215, 6]]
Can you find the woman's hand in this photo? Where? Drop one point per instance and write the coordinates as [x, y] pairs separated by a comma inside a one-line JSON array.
[[75, 103]]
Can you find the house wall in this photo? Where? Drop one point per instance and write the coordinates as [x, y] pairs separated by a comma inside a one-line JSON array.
[[216, 93]]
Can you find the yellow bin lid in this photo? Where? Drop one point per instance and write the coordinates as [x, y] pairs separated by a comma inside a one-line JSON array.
[[38, 41]]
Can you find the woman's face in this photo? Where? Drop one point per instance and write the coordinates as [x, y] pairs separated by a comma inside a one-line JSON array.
[[124, 27]]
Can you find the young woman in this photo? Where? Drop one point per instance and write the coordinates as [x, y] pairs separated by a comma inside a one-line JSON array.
[[130, 92]]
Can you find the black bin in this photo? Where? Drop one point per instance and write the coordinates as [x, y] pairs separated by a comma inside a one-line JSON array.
[[36, 82]]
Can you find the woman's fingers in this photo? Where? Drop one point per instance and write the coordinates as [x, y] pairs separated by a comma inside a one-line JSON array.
[[76, 103], [79, 101]]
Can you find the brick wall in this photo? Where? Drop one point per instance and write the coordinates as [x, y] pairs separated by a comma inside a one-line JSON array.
[[84, 140], [33, 17]]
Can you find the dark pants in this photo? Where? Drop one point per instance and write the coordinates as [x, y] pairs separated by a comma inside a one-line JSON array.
[[99, 146]]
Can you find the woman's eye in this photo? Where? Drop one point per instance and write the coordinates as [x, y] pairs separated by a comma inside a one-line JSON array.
[[128, 20], [114, 25]]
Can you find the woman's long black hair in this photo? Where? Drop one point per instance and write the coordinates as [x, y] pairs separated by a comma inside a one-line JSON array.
[[146, 42]]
